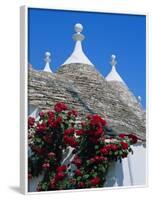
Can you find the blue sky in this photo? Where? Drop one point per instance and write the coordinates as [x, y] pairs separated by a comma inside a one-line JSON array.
[[105, 34]]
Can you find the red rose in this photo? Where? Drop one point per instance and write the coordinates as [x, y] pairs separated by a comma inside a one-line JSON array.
[[98, 132], [51, 155], [95, 181], [124, 145], [124, 155], [61, 168], [50, 114], [77, 161], [46, 166], [59, 107], [69, 131], [133, 138], [79, 132], [78, 172], [48, 139], [59, 176], [31, 121], [73, 112], [70, 141], [93, 140], [114, 147], [97, 120], [41, 114], [104, 151], [41, 127], [81, 185], [122, 135], [92, 160], [54, 123], [38, 150]]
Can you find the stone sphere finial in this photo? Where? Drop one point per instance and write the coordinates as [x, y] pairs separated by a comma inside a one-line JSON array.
[[113, 61], [47, 56], [113, 56], [78, 28]]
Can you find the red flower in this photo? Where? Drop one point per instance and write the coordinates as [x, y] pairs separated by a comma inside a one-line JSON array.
[[54, 123], [31, 121], [124, 145], [77, 161], [124, 155], [48, 139], [38, 150], [69, 131], [114, 147], [70, 141], [46, 166], [41, 114], [61, 168], [41, 127], [95, 181], [97, 120], [78, 172], [50, 114], [81, 185], [97, 159], [80, 132], [133, 138], [104, 151], [94, 140], [51, 155], [73, 112], [58, 120], [59, 107], [98, 132], [122, 135], [59, 176]]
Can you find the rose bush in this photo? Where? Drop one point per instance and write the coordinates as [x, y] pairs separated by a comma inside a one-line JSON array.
[[93, 149]]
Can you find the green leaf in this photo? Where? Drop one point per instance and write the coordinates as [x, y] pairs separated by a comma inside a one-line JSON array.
[[86, 176], [78, 178], [96, 147]]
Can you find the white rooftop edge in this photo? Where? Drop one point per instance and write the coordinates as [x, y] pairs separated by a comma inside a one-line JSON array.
[[47, 60], [78, 55], [114, 75]]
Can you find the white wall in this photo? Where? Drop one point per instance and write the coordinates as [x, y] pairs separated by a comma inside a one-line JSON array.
[[132, 170]]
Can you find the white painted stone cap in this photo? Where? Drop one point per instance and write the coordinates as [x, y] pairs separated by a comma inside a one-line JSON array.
[[114, 75], [78, 56], [47, 60]]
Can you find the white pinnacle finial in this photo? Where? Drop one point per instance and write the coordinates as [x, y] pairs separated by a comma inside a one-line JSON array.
[[113, 75], [78, 55], [47, 59], [113, 61], [78, 29]]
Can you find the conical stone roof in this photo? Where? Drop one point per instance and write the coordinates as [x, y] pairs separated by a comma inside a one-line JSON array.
[[123, 92], [81, 86]]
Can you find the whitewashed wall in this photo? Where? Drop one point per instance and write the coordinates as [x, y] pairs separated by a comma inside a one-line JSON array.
[[132, 170]]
